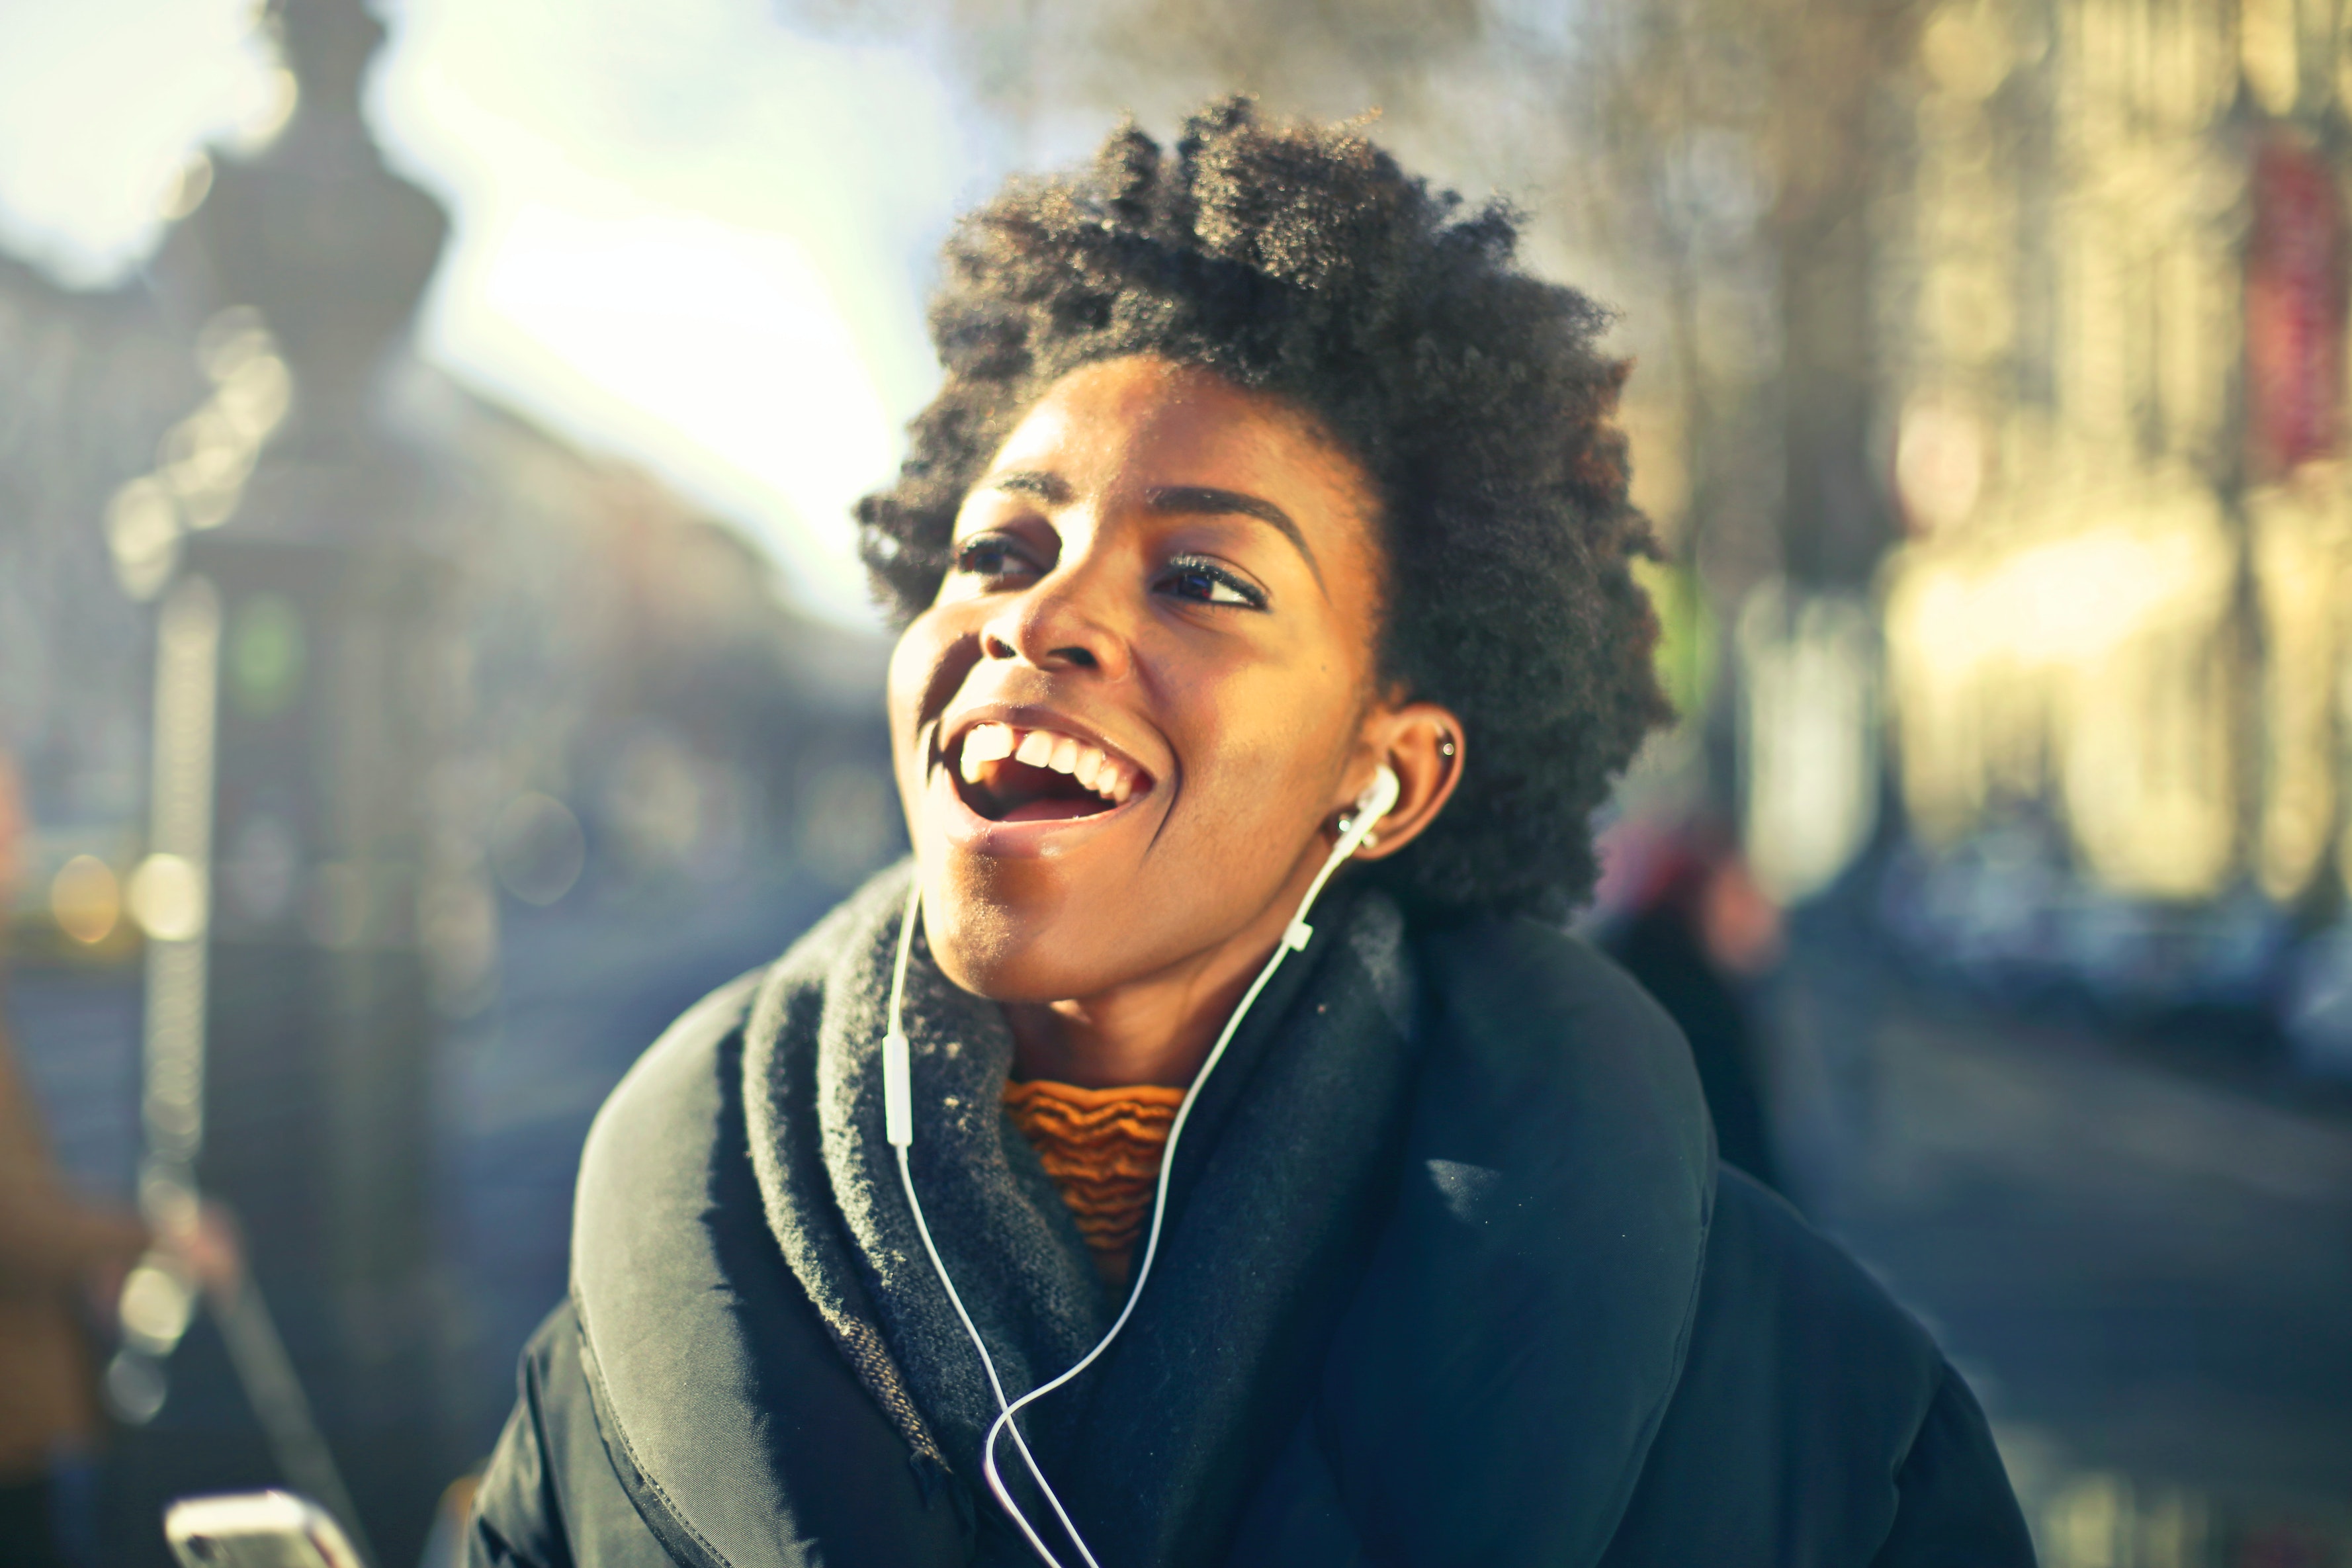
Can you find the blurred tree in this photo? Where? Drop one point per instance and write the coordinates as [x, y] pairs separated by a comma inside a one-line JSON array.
[[1739, 149], [1026, 59]]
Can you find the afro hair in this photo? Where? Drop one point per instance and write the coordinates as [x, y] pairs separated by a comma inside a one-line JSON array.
[[1302, 261]]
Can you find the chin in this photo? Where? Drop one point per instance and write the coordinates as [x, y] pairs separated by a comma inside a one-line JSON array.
[[1030, 869], [1016, 933]]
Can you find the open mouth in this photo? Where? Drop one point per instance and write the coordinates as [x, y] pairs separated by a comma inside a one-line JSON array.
[[1010, 775]]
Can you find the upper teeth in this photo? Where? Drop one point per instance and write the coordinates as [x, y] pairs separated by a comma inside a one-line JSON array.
[[1091, 765]]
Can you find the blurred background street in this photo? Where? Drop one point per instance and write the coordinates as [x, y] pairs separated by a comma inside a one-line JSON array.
[[2133, 1251], [432, 650]]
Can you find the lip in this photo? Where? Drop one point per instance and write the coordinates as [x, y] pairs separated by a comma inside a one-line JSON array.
[[967, 830]]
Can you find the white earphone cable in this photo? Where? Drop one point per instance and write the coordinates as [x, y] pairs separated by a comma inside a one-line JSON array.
[[898, 1117], [899, 1123]]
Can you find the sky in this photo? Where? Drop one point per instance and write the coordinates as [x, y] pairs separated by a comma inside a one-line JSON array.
[[682, 234]]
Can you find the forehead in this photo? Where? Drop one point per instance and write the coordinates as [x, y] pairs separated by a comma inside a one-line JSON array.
[[1149, 422]]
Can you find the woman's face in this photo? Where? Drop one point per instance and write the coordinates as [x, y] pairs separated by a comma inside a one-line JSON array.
[[1125, 724]]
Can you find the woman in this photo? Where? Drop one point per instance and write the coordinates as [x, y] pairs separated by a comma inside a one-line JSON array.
[[1259, 470]]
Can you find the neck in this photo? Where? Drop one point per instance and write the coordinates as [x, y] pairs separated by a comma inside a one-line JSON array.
[[1157, 1030]]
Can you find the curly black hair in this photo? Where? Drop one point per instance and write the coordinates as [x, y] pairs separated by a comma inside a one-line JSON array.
[[1301, 261]]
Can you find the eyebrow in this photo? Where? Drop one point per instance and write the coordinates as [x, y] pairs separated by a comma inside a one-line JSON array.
[[1173, 500], [1180, 499], [1049, 487]]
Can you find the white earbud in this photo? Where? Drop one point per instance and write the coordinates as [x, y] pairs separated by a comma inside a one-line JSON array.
[[1379, 798]]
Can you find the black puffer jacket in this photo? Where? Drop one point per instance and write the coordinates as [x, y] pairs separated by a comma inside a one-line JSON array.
[[1553, 1333]]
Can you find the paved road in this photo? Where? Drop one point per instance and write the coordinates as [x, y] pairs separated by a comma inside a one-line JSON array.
[[2147, 1274]]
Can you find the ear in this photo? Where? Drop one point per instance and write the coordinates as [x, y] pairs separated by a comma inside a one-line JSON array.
[[1423, 742]]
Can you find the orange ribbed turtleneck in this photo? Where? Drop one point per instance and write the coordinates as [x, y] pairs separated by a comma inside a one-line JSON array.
[[1102, 1147]]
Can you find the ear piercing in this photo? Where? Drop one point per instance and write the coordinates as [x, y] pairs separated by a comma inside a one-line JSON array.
[[1444, 744]]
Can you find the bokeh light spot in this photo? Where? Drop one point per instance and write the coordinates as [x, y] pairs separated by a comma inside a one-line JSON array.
[[536, 848], [167, 898], [266, 655], [86, 900]]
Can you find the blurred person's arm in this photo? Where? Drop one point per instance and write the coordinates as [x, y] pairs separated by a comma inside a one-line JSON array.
[[50, 1240]]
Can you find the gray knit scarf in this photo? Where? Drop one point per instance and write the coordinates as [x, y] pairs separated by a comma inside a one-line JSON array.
[[1279, 1183]]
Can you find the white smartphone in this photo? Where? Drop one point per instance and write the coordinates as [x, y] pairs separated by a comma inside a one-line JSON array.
[[255, 1530]]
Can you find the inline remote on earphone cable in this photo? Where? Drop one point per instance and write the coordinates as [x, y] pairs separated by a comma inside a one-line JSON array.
[[1378, 800]]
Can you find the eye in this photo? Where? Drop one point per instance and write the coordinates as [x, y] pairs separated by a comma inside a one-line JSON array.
[[993, 555], [1205, 582]]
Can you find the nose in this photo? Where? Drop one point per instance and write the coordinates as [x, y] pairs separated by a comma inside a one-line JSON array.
[[1064, 621]]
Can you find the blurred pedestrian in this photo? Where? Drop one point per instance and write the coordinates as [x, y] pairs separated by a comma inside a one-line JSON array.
[[62, 1259], [1696, 932]]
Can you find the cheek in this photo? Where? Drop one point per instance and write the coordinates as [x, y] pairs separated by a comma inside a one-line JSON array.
[[918, 666], [931, 655], [911, 664], [1266, 754]]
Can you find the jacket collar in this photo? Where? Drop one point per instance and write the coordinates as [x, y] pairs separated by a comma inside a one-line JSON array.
[[1490, 1394]]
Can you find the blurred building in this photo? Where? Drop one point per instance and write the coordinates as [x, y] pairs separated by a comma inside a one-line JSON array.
[[87, 385], [2113, 296], [1999, 423], [2118, 451]]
